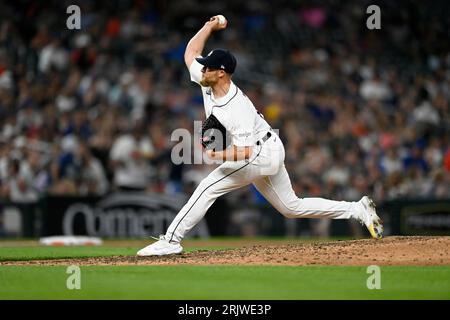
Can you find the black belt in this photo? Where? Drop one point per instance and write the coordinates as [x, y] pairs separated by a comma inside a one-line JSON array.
[[264, 139]]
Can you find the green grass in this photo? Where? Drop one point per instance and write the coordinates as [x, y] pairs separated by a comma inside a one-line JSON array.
[[207, 282], [44, 253], [30, 250], [223, 282], [35, 253], [26, 249]]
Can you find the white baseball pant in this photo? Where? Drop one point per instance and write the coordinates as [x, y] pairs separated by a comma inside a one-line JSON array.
[[266, 170]]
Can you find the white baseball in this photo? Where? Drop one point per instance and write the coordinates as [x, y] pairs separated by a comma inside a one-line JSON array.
[[222, 19]]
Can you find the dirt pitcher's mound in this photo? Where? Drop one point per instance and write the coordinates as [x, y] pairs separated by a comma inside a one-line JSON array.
[[388, 251]]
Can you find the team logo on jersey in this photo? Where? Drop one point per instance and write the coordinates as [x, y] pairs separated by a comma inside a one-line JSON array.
[[245, 134]]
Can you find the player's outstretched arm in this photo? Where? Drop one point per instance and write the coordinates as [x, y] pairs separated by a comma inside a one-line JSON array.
[[195, 46], [233, 153]]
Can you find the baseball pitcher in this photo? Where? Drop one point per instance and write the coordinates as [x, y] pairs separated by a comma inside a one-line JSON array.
[[255, 153]]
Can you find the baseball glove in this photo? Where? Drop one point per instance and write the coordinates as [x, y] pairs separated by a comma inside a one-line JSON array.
[[214, 134]]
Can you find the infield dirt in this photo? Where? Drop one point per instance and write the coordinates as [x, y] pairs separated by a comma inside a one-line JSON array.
[[388, 251]]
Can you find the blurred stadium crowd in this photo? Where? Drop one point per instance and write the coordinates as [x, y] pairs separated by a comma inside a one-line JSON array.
[[91, 111]]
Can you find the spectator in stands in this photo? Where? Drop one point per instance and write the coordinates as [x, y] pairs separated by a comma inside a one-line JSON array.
[[130, 155], [348, 102]]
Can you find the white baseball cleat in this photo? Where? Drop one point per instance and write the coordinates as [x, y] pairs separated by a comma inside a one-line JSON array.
[[366, 214], [160, 248]]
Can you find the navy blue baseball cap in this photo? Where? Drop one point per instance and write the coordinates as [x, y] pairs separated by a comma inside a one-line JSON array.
[[219, 59]]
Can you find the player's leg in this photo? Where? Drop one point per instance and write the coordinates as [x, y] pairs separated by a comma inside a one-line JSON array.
[[277, 189], [227, 177]]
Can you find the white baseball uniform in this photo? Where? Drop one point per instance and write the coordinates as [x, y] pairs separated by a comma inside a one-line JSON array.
[[265, 167]]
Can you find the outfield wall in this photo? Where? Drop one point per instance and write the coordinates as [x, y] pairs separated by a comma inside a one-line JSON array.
[[135, 215]]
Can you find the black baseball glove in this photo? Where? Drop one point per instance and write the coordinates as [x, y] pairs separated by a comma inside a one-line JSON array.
[[214, 134]]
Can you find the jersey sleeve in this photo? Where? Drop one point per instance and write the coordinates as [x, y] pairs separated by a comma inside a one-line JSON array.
[[195, 71]]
